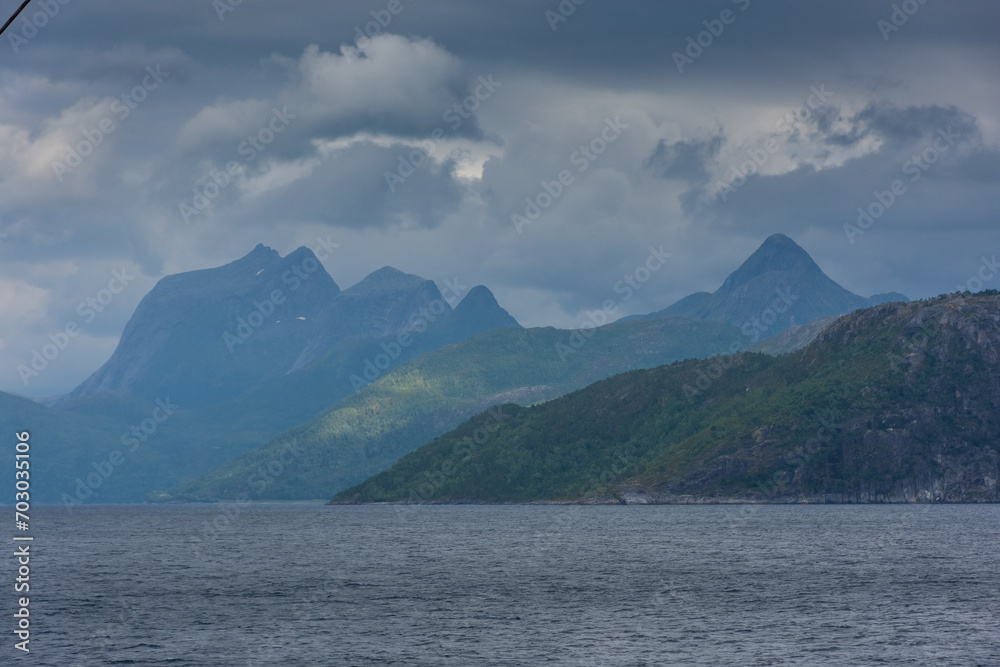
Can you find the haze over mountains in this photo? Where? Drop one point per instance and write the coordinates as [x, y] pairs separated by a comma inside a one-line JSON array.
[[205, 336], [424, 398], [777, 287], [370, 429], [268, 344], [233, 379]]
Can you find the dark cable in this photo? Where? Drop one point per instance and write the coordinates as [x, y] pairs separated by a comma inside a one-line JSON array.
[[11, 19]]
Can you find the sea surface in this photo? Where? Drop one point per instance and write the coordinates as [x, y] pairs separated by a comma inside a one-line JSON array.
[[307, 584]]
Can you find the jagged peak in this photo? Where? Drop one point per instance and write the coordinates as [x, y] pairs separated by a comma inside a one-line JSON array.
[[261, 248], [261, 255]]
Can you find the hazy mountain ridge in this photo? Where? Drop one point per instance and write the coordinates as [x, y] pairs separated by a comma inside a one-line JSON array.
[[793, 338], [226, 402], [432, 416], [209, 335], [895, 403], [777, 287], [230, 403], [369, 430]]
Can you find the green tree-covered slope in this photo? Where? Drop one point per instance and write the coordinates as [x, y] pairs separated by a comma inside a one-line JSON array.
[[899, 402], [369, 430]]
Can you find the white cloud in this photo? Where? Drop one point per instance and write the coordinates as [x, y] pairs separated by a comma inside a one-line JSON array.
[[393, 81]]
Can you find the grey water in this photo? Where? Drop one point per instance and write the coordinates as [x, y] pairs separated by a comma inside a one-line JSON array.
[[305, 584]]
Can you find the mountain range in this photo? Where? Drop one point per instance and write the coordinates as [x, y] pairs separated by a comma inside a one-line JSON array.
[[175, 350], [268, 350], [205, 336]]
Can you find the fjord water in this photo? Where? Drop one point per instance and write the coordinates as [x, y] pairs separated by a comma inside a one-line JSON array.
[[300, 584]]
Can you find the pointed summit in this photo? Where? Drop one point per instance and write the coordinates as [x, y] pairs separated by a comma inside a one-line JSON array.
[[260, 257], [478, 297], [777, 253], [479, 311], [301, 269], [777, 287], [261, 254]]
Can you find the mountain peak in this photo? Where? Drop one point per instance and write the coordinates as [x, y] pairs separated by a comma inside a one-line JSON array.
[[776, 253], [386, 279], [260, 253], [777, 287], [481, 309], [480, 295]]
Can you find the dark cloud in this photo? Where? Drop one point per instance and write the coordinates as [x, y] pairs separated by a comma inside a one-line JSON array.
[[957, 184], [364, 102], [903, 126], [684, 160]]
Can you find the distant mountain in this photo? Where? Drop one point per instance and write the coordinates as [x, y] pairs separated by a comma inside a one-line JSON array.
[[369, 430], [478, 312], [895, 403], [251, 349], [313, 348], [386, 302], [777, 287], [889, 297], [207, 336]]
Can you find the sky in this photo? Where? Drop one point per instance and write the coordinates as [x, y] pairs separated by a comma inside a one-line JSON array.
[[545, 149]]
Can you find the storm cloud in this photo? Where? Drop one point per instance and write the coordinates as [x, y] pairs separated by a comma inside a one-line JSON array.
[[152, 138]]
